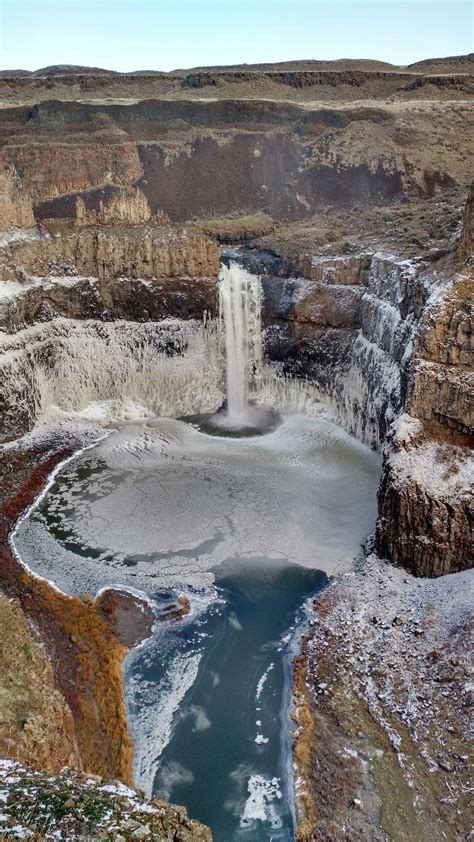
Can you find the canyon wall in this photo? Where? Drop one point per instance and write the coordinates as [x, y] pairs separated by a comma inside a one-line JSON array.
[[425, 499], [154, 251], [381, 337], [103, 161], [377, 335], [348, 328]]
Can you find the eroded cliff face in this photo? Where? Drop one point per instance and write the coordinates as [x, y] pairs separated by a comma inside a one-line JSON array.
[[200, 159], [85, 807], [154, 251], [466, 244], [425, 498], [16, 208], [349, 328], [377, 335]]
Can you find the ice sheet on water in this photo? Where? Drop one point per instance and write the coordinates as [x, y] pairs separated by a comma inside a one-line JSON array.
[[259, 805], [154, 707], [177, 503], [262, 681]]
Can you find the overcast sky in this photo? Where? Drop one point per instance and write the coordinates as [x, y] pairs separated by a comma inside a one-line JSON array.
[[164, 35]]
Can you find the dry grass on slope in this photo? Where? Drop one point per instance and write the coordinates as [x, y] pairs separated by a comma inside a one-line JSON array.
[[85, 657]]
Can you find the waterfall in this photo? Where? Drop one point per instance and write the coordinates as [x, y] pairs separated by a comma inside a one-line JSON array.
[[240, 327]]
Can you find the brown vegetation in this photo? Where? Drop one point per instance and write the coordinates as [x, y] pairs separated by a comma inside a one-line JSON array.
[[85, 656]]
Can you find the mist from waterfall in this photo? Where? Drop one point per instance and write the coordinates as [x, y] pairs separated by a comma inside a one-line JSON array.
[[240, 327]]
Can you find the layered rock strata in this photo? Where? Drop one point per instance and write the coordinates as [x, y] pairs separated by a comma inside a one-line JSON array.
[[380, 336], [203, 159], [154, 251]]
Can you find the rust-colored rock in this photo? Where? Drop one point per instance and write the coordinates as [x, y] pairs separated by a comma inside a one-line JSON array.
[[85, 657]]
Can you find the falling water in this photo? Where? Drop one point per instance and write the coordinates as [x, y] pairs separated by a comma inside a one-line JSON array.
[[239, 317]]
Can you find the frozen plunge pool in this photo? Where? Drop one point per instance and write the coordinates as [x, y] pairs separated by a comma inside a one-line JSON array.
[[248, 528]]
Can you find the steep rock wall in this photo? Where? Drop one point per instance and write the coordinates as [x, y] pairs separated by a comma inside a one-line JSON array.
[[204, 159], [133, 252], [425, 499], [380, 336], [376, 334], [466, 243], [349, 330], [16, 208]]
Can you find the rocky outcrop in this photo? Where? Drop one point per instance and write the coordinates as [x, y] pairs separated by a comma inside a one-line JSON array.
[[347, 79], [349, 330], [239, 229], [124, 206], [378, 336], [84, 807], [442, 383], [129, 251], [16, 208], [425, 501]]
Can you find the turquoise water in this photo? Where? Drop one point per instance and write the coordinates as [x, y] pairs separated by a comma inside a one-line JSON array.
[[232, 730]]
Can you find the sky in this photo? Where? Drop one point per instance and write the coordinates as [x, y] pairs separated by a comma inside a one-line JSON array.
[[130, 35]]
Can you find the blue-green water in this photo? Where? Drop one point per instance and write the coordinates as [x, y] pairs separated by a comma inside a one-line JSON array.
[[228, 759]]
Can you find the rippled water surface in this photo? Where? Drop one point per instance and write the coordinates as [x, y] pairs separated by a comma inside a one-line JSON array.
[[248, 528]]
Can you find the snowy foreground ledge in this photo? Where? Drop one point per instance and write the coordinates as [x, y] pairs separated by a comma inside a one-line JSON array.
[[69, 806]]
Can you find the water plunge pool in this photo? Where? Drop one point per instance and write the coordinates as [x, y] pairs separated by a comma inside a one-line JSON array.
[[249, 529]]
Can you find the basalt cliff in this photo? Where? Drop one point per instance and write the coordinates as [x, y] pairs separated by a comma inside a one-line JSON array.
[[346, 188]]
